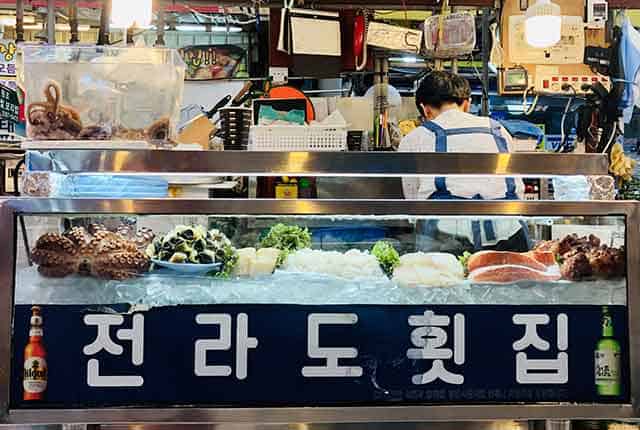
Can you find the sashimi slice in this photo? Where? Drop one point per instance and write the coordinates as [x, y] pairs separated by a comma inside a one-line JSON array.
[[547, 258], [511, 273], [498, 258]]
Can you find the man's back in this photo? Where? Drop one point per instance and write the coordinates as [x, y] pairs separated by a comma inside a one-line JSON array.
[[423, 140]]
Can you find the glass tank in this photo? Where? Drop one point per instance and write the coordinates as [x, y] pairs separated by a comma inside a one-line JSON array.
[[161, 260], [101, 93]]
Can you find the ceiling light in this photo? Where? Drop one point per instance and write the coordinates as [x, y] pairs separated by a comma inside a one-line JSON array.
[[213, 28], [131, 13], [542, 24]]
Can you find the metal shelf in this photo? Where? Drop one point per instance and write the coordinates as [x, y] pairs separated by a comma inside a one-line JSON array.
[[387, 164]]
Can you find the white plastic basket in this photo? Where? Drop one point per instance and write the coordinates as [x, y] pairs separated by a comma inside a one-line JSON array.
[[297, 138]]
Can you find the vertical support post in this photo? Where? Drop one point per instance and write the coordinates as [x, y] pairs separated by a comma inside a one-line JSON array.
[[105, 16], [51, 22], [484, 108], [73, 21], [19, 21], [160, 23]]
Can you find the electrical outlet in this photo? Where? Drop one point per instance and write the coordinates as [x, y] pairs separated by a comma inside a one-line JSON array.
[[280, 75]]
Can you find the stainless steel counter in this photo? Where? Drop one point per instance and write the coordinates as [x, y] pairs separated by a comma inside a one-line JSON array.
[[387, 164]]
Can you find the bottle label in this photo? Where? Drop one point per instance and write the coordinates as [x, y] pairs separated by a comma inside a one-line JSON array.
[[607, 367], [35, 375], [35, 331]]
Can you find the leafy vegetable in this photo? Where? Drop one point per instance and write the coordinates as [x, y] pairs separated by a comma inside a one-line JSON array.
[[464, 260], [229, 255], [286, 238], [387, 256]]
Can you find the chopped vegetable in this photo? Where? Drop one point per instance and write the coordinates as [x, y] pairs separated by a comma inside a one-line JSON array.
[[387, 256], [464, 260], [287, 238]]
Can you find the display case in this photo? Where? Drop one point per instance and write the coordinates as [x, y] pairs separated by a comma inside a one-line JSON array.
[[318, 311]]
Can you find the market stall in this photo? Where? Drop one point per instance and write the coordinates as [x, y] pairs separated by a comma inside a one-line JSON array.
[[275, 258], [245, 311]]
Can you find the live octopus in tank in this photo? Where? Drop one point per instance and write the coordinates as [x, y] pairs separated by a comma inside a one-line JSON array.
[[103, 255], [51, 120]]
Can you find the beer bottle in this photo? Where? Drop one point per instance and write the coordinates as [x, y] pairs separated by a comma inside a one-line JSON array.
[[607, 363], [34, 381]]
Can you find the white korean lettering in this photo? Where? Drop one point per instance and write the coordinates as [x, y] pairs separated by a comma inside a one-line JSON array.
[[541, 371], [331, 355], [243, 343], [223, 343], [94, 379], [531, 337], [430, 339], [103, 341]]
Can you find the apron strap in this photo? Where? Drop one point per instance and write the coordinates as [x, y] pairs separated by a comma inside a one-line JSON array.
[[441, 146], [503, 147], [441, 135], [468, 130]]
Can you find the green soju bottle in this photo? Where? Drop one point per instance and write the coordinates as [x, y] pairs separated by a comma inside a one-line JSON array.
[[607, 359]]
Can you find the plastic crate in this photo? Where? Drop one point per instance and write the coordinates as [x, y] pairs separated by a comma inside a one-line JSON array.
[[297, 138]]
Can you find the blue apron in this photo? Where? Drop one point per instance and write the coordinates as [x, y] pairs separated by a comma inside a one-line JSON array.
[[440, 182]]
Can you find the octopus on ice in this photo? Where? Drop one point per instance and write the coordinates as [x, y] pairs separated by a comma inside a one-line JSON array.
[[103, 254]]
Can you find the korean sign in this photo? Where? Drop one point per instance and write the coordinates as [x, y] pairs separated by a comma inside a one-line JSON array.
[[205, 62], [9, 105], [286, 355]]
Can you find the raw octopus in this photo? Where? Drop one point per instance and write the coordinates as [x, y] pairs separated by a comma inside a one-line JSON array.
[[104, 255]]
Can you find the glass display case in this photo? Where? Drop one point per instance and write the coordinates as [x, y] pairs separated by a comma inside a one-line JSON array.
[[317, 311], [95, 93]]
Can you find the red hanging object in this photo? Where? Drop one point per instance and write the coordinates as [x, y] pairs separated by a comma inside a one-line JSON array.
[[359, 28]]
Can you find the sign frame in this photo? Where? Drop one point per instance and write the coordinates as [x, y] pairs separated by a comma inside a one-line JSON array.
[[11, 208]]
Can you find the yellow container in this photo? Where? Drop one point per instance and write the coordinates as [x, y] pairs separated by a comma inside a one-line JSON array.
[[287, 191]]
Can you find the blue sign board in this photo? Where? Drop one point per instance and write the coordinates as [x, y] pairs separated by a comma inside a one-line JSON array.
[[294, 355]]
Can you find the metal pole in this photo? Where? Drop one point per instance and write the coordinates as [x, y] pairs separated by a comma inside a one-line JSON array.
[[73, 21], [51, 22], [19, 21], [160, 23], [105, 16], [484, 109]]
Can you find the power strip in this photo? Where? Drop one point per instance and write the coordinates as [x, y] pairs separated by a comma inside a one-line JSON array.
[[552, 84]]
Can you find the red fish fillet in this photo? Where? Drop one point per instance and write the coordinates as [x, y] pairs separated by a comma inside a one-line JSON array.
[[510, 273], [498, 258]]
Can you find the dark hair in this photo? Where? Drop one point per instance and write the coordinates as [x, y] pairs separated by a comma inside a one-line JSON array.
[[438, 88]]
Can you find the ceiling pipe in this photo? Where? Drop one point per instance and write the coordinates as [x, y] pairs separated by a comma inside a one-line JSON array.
[[19, 21], [159, 7], [105, 16], [51, 22], [73, 21]]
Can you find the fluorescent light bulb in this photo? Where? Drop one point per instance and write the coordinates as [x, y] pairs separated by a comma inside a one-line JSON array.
[[543, 24], [202, 27], [131, 13]]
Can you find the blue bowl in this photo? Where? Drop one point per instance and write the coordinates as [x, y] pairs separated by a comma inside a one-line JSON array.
[[189, 268]]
